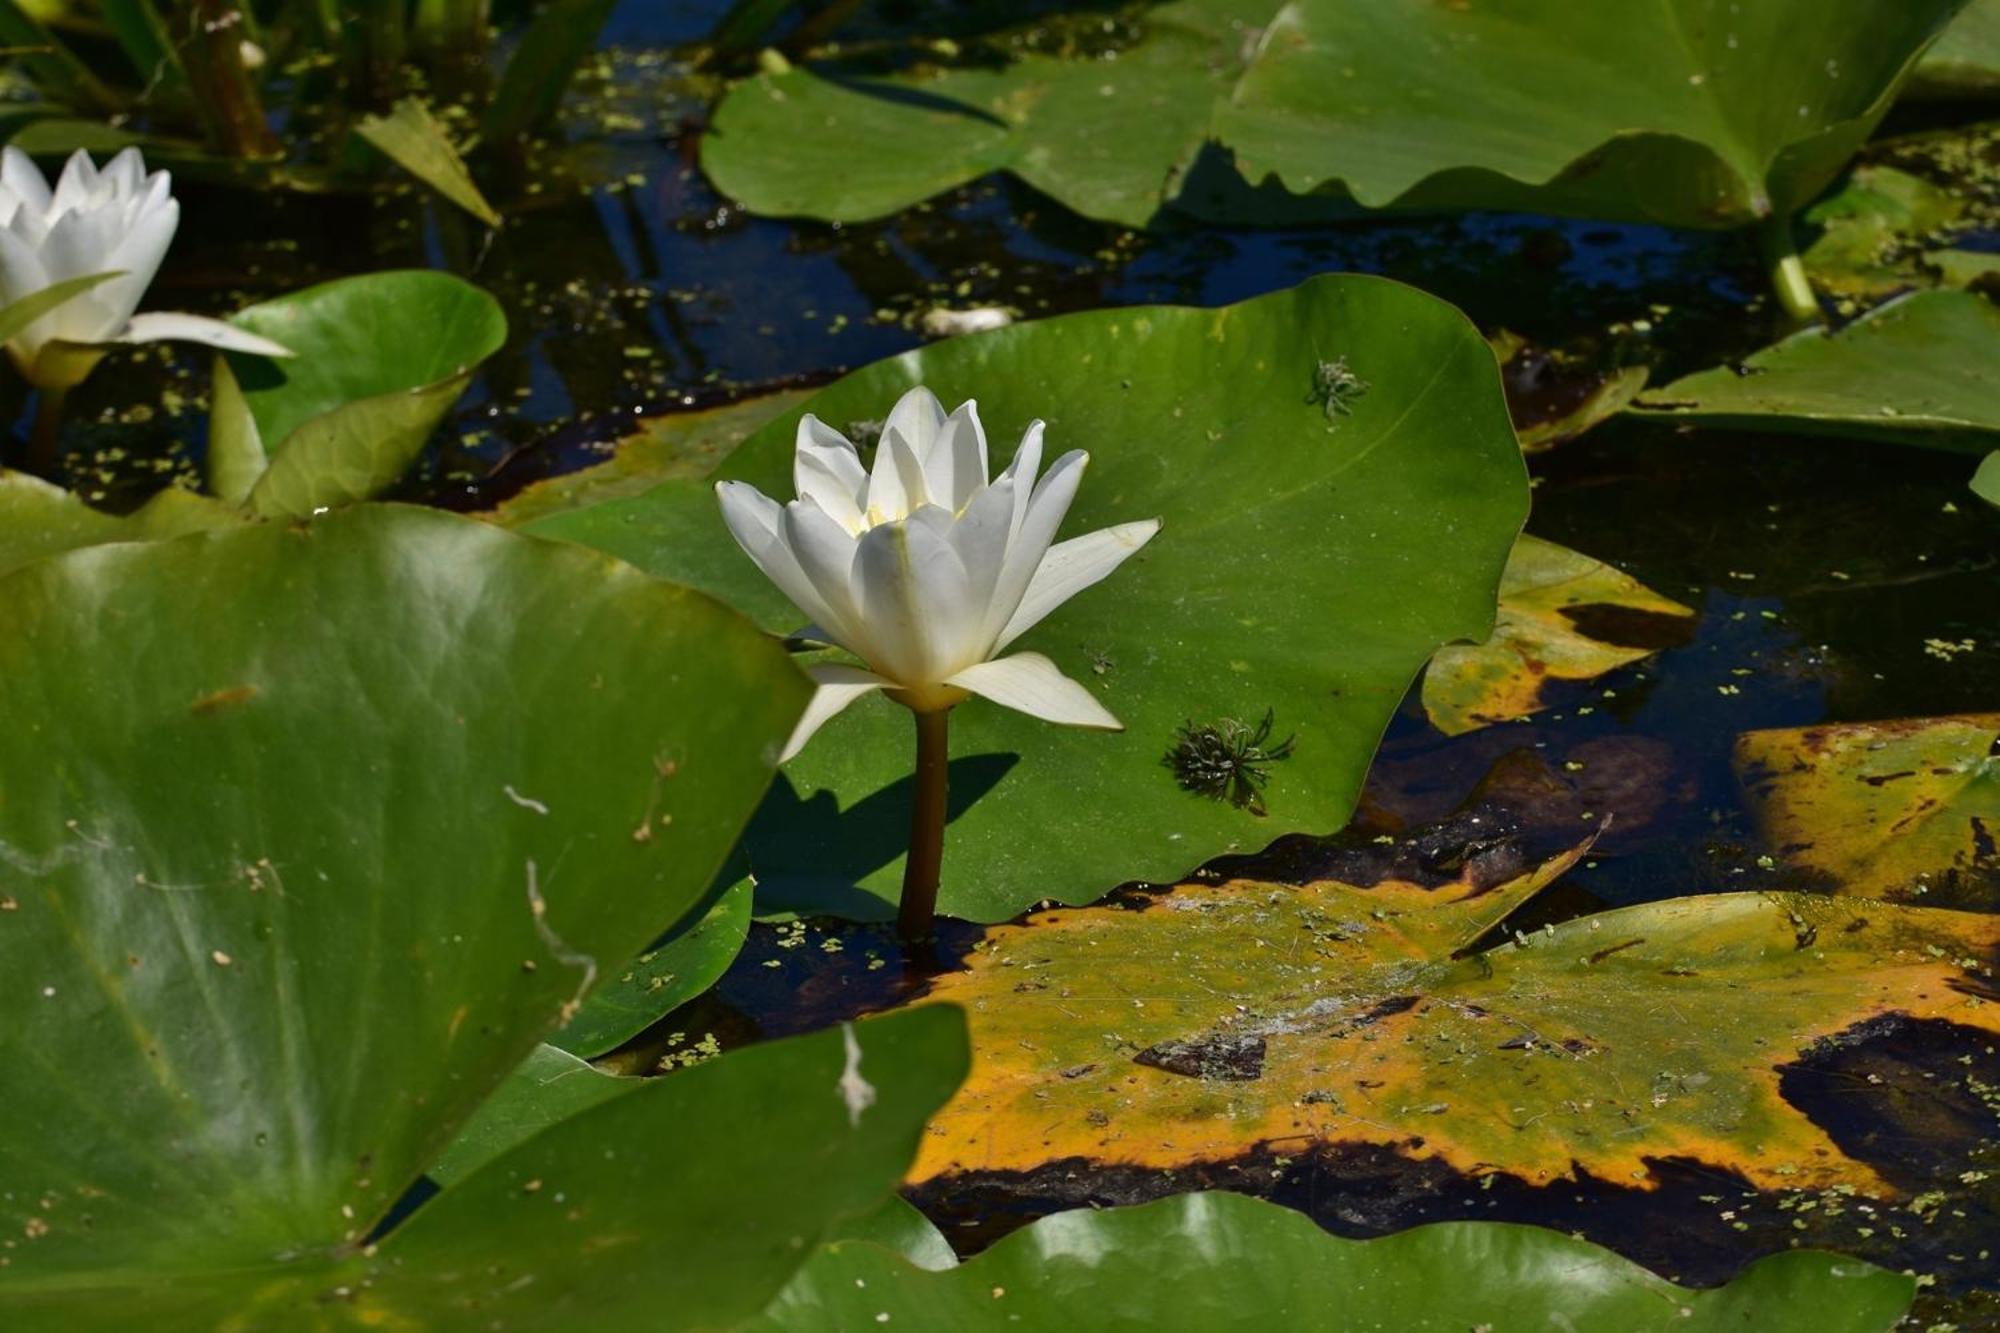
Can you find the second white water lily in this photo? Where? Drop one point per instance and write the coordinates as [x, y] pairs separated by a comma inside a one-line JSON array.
[[924, 569], [118, 219]]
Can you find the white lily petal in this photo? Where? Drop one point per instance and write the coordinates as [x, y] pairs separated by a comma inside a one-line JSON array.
[[1032, 684], [21, 271], [168, 326], [1072, 566], [982, 534], [955, 466], [124, 175], [917, 618], [756, 521], [1022, 467], [916, 416], [137, 255], [896, 483], [826, 468], [825, 552], [20, 176], [76, 184], [1046, 509], [839, 686]]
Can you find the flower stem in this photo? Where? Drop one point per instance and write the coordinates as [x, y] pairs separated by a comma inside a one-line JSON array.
[[1788, 275], [43, 439], [916, 917]]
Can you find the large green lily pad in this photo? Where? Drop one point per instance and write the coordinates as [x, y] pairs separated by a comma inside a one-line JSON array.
[[1202, 1262], [1311, 560], [1923, 370], [379, 360], [1679, 111], [1690, 112], [1906, 809], [307, 886], [702, 1192], [1196, 1025], [39, 519]]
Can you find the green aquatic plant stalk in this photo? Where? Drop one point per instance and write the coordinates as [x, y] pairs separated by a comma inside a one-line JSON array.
[[45, 437], [556, 43], [916, 914], [1788, 273], [148, 43], [380, 35], [225, 94], [55, 69], [450, 38]]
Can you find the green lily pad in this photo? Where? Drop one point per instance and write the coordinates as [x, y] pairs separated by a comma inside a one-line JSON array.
[[1110, 139], [1687, 112], [1986, 481], [1923, 370], [699, 1193], [660, 980], [1676, 111], [307, 887], [39, 519], [1224, 1261], [704, 1191], [1965, 61], [1310, 562], [380, 360], [550, 1086], [896, 1225]]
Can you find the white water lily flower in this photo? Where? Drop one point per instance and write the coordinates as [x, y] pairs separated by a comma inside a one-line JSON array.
[[116, 219], [923, 568]]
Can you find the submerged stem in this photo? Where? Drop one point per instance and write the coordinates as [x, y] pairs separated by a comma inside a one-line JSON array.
[[916, 916], [225, 92], [1788, 274], [46, 434]]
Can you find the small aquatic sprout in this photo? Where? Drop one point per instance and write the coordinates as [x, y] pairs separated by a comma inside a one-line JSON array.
[[1227, 760], [1335, 388], [926, 571]]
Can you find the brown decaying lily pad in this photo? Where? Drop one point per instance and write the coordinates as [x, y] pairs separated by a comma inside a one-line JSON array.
[[1599, 1047], [1907, 809], [1563, 616]]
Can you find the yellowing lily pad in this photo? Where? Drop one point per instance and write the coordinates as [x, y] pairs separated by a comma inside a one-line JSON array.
[[1214, 1018], [1563, 616], [1904, 809]]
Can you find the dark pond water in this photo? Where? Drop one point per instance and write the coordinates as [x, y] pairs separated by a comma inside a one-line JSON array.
[[1822, 571]]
